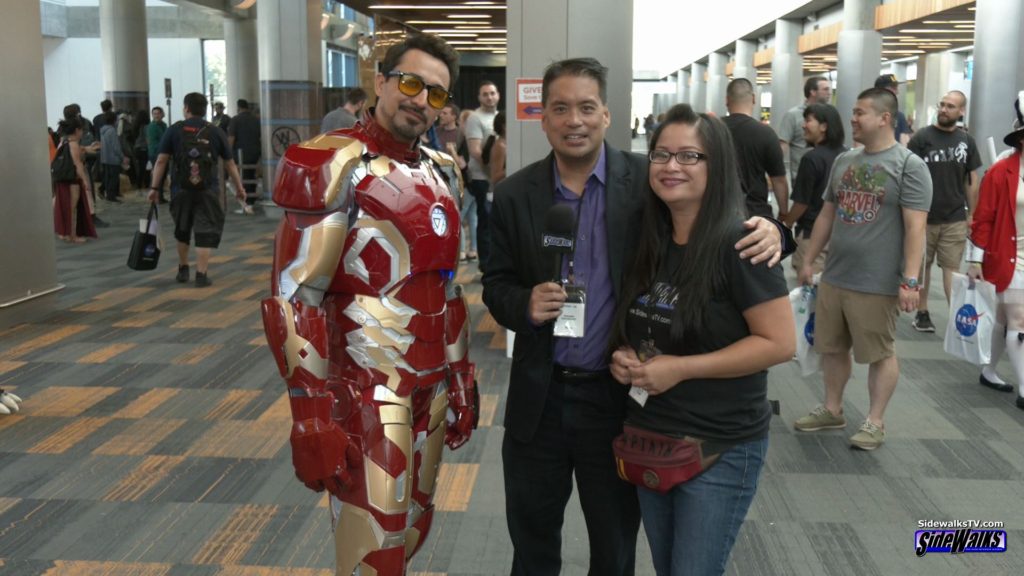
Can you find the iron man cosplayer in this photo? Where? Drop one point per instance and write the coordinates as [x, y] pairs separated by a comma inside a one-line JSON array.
[[366, 324]]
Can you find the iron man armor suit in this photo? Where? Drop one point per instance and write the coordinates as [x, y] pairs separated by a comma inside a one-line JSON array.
[[371, 334]]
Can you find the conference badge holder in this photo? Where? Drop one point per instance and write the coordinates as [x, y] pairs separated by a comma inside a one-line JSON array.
[[570, 324]]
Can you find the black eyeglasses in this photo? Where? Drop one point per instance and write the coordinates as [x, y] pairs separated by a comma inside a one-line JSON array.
[[684, 157], [411, 85]]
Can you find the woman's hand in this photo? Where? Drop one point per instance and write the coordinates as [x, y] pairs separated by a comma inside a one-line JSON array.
[[658, 374], [974, 272], [622, 360]]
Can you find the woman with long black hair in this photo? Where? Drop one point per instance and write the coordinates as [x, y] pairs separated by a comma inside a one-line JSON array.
[[694, 335]]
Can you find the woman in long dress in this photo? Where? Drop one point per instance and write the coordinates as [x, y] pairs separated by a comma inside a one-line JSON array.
[[72, 214]]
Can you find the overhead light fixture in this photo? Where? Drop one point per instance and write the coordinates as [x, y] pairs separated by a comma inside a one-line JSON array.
[[441, 22], [244, 4], [473, 16], [431, 7], [933, 31]]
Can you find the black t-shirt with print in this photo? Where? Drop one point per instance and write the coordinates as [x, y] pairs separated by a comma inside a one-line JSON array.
[[758, 153], [810, 182], [950, 156], [726, 409]]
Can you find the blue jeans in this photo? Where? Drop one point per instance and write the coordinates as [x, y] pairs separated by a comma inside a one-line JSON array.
[[468, 214], [692, 528]]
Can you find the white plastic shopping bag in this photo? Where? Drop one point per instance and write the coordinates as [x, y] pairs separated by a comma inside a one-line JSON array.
[[972, 311], [802, 299]]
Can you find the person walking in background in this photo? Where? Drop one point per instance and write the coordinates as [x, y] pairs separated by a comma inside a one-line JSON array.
[[710, 390], [874, 217], [903, 129], [479, 126], [112, 158], [996, 254], [346, 115], [953, 161], [817, 90], [220, 118], [72, 217], [154, 133], [467, 213], [140, 149], [196, 205], [824, 134], [758, 154], [495, 150], [244, 138]]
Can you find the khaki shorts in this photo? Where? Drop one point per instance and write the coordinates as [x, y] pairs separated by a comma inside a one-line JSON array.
[[846, 318], [947, 241]]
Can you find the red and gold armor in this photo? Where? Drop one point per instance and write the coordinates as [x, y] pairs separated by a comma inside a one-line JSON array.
[[371, 334]]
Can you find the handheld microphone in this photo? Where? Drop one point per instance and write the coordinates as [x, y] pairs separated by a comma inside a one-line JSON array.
[[558, 237]]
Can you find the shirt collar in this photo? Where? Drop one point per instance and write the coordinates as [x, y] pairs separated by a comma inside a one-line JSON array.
[[598, 172]]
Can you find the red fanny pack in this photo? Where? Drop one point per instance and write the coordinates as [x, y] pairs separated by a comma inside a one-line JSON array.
[[656, 461]]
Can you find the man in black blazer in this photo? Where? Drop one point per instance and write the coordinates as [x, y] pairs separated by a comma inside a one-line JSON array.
[[563, 407]]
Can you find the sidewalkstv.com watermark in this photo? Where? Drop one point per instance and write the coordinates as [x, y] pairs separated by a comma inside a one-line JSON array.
[[959, 537]]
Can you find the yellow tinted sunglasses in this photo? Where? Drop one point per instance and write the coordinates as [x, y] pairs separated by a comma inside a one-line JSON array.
[[411, 85]]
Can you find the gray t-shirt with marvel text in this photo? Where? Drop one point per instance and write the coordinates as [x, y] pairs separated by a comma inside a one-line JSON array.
[[869, 191]]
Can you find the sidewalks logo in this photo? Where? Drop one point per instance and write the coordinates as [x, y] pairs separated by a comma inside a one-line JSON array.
[[959, 541]]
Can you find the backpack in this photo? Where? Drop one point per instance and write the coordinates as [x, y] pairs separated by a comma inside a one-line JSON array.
[[62, 168], [194, 163]]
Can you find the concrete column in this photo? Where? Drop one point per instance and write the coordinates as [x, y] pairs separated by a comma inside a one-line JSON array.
[[860, 56], [124, 46], [27, 257], [243, 79], [682, 86], [698, 87], [543, 31], [787, 70], [998, 71], [934, 73], [744, 68], [290, 77], [717, 82]]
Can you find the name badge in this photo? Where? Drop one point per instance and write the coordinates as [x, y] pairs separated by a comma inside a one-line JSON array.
[[571, 323]]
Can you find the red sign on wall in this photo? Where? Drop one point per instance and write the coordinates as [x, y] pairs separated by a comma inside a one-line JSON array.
[[528, 104]]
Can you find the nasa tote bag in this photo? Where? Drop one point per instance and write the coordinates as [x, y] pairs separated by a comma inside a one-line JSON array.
[[972, 312], [802, 299]]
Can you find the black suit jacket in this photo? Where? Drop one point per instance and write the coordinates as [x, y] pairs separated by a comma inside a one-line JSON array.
[[517, 264]]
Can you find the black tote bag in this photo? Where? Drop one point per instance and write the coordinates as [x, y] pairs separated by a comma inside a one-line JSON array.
[[145, 251]]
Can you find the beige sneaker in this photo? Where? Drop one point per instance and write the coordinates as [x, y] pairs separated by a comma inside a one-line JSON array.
[[869, 437], [819, 419]]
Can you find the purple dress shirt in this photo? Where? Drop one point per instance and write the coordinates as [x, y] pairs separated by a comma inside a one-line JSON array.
[[591, 270]]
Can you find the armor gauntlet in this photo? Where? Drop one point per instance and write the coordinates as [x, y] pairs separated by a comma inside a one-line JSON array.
[[322, 452], [463, 398]]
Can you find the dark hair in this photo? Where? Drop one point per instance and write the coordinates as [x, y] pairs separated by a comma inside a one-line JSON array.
[[72, 111], [811, 85], [242, 104], [355, 96], [68, 126], [586, 67], [828, 115], [110, 118], [454, 108], [141, 118], [158, 108], [738, 89], [701, 273], [195, 103], [499, 131], [429, 43], [106, 105], [218, 105], [485, 83], [882, 101]]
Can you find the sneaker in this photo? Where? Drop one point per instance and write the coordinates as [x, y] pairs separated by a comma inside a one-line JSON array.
[[819, 419], [869, 437], [9, 401], [182, 273], [202, 281], [923, 322]]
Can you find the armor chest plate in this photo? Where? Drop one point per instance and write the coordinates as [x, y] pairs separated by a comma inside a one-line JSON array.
[[404, 223]]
